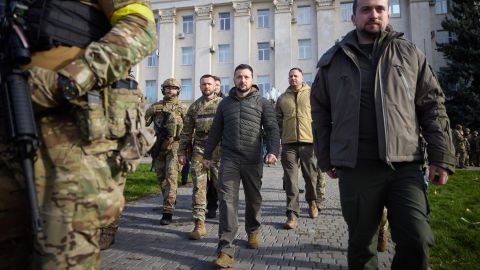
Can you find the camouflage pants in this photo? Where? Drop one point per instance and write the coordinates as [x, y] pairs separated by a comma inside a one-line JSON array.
[[199, 179], [461, 156], [113, 226], [77, 193], [383, 222], [167, 168], [320, 187]]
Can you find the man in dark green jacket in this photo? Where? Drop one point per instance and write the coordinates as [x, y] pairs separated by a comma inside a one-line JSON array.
[[374, 94]]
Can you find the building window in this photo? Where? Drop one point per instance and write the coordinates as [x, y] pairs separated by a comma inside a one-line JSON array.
[[346, 11], [443, 37], [263, 16], [304, 48], [187, 56], [263, 51], [186, 92], [188, 24], [224, 20], [225, 85], [304, 15], [394, 8], [152, 59], [224, 54], [151, 90], [307, 78], [441, 6], [263, 83]]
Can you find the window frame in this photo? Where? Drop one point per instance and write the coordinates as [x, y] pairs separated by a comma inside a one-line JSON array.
[[224, 22], [187, 26], [262, 86], [187, 56], [264, 52], [263, 18], [302, 49], [224, 57], [307, 13], [346, 11], [183, 90]]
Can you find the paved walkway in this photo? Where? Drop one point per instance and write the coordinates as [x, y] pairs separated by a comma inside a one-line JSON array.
[[319, 243]]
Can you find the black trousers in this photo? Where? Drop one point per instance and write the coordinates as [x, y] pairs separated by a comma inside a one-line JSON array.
[[364, 191]]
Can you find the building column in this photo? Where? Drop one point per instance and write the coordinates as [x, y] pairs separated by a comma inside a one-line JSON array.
[[327, 25], [419, 19], [283, 43], [242, 33], [203, 43], [166, 52]]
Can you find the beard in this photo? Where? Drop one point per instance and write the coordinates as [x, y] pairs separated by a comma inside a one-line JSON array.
[[243, 90]]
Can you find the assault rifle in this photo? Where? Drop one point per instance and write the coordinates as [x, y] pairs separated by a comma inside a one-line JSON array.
[[16, 104], [162, 133]]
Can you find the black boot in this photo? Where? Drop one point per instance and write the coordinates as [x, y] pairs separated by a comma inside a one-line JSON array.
[[166, 219], [211, 213]]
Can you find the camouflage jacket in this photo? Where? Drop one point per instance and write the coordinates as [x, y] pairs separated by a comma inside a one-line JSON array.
[[458, 140], [155, 113], [197, 124]]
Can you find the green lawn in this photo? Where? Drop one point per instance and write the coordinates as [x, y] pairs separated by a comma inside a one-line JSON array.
[[143, 182], [457, 243]]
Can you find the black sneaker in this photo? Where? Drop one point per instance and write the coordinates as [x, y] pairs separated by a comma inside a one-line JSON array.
[[166, 219], [211, 214]]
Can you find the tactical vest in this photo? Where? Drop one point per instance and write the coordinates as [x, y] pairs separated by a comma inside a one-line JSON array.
[[53, 23], [174, 123]]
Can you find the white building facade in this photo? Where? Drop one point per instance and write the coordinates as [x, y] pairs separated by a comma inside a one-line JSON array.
[[200, 37]]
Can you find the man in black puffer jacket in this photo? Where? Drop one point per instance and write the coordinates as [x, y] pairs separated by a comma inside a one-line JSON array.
[[238, 123]]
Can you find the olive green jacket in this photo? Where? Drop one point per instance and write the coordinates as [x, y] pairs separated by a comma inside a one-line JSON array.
[[294, 116], [408, 102]]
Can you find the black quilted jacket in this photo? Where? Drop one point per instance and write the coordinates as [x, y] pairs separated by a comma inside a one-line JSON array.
[[239, 124]]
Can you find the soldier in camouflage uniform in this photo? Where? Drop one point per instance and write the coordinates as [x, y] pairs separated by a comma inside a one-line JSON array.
[[198, 121], [467, 135], [166, 163], [460, 147], [474, 149], [79, 168], [476, 144]]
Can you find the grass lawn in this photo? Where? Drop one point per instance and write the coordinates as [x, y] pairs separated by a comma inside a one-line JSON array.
[[457, 243], [143, 182]]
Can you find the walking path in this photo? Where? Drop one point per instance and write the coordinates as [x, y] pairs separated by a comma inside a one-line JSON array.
[[320, 243]]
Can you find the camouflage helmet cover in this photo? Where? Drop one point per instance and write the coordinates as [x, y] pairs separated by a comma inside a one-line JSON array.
[[171, 82], [467, 130]]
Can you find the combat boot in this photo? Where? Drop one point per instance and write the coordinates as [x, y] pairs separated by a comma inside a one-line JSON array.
[[166, 219], [292, 222], [382, 241], [211, 213], [312, 209], [253, 241], [199, 230], [224, 260], [106, 240]]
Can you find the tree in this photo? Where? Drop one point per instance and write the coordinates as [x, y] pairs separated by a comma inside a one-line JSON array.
[[461, 78]]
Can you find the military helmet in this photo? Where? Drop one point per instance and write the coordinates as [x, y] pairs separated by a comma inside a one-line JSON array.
[[475, 133], [172, 82], [458, 127], [467, 130]]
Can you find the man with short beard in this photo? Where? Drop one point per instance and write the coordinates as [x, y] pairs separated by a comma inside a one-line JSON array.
[[373, 97], [197, 124], [238, 123]]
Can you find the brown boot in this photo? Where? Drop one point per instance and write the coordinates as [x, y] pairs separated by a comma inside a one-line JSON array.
[[106, 240], [253, 241], [292, 222], [199, 230], [382, 241], [224, 261], [312, 209]]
